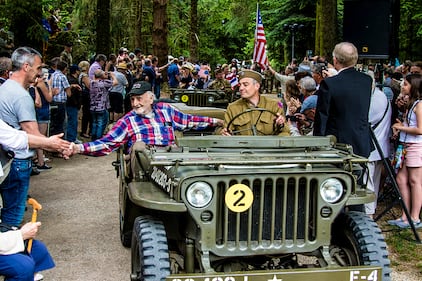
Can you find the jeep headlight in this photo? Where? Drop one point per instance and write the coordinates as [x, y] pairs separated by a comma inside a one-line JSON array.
[[199, 194], [176, 97], [331, 190], [211, 99]]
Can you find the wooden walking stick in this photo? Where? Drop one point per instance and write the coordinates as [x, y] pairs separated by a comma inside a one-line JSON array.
[[35, 207]]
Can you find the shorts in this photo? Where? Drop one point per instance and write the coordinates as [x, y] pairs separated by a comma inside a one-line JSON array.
[[116, 102], [413, 157], [43, 115]]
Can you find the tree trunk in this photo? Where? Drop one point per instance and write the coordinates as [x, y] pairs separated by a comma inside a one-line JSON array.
[[193, 36], [160, 31], [138, 23], [103, 27], [326, 27]]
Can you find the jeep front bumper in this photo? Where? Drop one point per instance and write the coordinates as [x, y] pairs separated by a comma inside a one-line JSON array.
[[369, 273]]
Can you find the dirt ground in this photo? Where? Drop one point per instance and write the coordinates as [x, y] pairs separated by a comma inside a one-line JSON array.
[[80, 223]]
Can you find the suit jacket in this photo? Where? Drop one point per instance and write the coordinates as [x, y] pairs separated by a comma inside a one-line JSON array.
[[342, 109]]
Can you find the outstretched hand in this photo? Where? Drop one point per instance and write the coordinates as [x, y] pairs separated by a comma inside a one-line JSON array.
[[56, 143]]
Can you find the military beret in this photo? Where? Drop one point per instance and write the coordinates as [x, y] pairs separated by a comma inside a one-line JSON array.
[[250, 74]]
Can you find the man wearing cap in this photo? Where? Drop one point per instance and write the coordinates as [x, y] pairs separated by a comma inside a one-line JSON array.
[[220, 83], [147, 124], [117, 92], [255, 122]]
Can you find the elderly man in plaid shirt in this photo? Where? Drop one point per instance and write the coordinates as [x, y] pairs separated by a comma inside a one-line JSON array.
[[148, 123]]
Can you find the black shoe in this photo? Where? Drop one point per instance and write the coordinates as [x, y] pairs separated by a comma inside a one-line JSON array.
[[34, 171], [43, 167]]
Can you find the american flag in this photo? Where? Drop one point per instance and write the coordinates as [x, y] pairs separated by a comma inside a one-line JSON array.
[[260, 53]]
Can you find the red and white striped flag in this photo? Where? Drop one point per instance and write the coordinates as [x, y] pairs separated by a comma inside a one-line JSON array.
[[260, 53]]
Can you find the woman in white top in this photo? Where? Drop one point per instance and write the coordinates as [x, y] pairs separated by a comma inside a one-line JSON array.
[[409, 176]]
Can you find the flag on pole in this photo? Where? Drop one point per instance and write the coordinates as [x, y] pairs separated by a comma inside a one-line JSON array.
[[260, 53]]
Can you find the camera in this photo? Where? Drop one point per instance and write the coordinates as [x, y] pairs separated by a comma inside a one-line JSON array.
[[292, 118]]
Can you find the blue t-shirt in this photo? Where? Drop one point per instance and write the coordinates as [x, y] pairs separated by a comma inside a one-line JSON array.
[[172, 72]]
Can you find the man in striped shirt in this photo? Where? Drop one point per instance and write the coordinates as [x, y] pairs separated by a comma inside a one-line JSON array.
[[148, 124]]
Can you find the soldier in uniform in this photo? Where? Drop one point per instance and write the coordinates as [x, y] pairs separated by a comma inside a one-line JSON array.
[[254, 120], [220, 83]]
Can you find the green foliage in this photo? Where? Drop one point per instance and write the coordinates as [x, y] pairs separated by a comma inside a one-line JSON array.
[[226, 28], [410, 31]]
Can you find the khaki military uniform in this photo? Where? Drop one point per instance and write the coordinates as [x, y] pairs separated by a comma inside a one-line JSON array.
[[264, 122], [220, 84]]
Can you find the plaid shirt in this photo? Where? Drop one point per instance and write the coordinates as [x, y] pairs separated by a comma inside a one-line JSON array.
[[60, 82], [157, 129]]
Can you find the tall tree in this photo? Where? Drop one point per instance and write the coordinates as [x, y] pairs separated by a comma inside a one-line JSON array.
[[193, 35], [138, 23], [159, 30], [103, 27], [326, 27], [26, 22]]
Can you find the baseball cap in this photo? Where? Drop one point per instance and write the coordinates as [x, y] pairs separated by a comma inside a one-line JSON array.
[[140, 88], [309, 103]]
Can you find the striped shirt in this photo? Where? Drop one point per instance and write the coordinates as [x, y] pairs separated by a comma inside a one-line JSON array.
[[155, 129]]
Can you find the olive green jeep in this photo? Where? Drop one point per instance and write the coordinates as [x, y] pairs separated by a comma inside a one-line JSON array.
[[197, 97], [253, 208]]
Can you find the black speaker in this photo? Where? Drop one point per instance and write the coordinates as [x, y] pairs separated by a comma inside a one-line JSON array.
[[372, 26]]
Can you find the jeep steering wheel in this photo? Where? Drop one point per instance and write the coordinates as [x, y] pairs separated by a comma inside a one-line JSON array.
[[253, 129]]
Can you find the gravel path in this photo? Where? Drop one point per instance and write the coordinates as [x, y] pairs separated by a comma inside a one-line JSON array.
[[79, 218], [80, 222]]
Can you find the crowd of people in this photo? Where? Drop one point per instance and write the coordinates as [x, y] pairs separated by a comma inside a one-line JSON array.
[[123, 89]]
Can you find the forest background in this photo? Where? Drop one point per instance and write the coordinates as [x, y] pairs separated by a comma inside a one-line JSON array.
[[208, 30]]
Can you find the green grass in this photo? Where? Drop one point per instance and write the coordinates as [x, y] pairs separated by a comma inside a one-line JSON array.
[[405, 252]]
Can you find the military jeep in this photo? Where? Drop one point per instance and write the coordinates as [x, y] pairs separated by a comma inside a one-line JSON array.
[[196, 97], [243, 208]]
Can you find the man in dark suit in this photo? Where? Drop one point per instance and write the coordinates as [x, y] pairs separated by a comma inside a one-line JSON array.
[[343, 102]]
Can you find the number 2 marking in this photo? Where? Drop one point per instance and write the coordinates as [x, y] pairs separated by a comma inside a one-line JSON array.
[[238, 201]]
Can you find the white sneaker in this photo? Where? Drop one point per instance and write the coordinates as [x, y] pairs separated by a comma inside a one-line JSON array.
[[38, 277]]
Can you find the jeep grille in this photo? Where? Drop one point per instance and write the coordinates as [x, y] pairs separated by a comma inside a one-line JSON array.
[[283, 213], [195, 98]]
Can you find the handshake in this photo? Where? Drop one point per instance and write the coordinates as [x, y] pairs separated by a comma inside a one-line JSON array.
[[56, 144]]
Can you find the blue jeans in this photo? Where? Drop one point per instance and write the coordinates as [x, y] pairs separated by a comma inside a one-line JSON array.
[[99, 123], [72, 123], [14, 190], [21, 267], [157, 90]]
